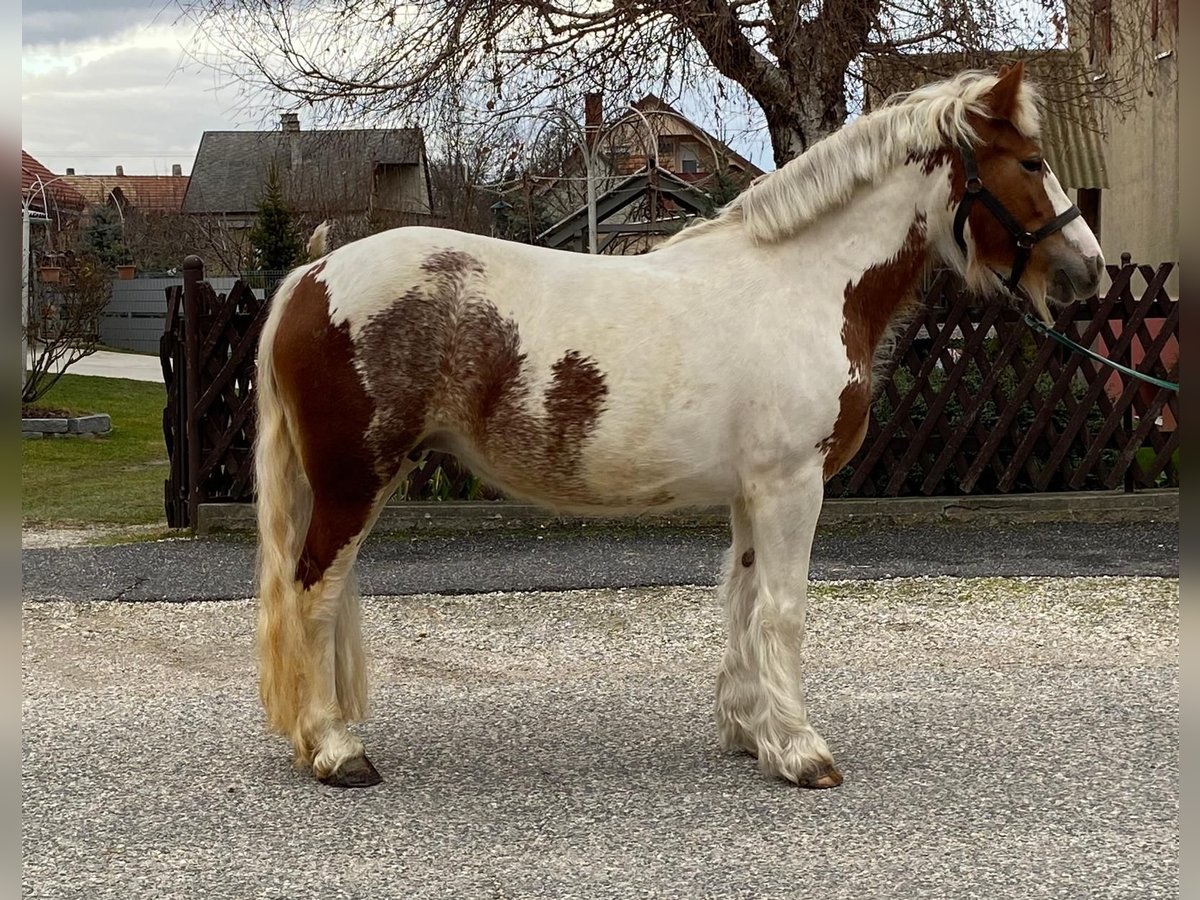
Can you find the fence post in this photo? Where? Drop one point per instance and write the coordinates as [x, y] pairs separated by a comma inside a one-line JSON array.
[[193, 274], [1127, 360]]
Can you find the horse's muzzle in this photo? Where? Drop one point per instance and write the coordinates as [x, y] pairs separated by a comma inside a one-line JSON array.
[[1077, 278]]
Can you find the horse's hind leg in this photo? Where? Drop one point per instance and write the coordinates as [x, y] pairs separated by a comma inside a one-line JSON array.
[[350, 667], [761, 706], [337, 678], [329, 630]]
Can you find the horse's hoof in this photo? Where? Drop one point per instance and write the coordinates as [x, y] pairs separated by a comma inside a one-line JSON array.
[[353, 773], [825, 777]]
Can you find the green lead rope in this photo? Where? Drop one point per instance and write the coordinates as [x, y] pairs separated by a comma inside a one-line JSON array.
[[1079, 348]]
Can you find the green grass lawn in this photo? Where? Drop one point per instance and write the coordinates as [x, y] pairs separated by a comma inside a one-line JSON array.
[[112, 480]]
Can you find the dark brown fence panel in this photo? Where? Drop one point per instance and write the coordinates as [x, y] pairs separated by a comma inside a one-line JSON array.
[[970, 400], [974, 401], [208, 351], [222, 439], [171, 354]]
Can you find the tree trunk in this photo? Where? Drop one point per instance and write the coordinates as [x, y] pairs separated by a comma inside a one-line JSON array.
[[813, 59]]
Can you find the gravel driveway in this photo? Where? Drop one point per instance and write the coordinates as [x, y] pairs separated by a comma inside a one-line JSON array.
[[1000, 737]]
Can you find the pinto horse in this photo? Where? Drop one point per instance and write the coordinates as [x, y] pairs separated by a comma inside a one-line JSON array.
[[730, 366]]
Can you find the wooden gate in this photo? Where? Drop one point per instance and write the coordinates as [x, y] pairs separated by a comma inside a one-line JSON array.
[[208, 361], [971, 401]]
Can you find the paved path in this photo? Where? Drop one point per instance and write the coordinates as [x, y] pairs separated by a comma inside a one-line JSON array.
[[562, 559], [111, 364], [1000, 739]]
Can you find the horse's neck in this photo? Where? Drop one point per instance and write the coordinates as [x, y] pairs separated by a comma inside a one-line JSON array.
[[864, 257], [868, 255]]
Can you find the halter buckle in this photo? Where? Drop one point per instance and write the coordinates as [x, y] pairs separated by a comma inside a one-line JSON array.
[[1027, 240], [974, 184]]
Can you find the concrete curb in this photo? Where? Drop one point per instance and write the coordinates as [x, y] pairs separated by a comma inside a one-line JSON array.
[[1083, 506], [75, 426]]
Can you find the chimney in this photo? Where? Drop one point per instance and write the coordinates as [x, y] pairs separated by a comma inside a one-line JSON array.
[[120, 170], [290, 124], [176, 169], [70, 171], [593, 117]]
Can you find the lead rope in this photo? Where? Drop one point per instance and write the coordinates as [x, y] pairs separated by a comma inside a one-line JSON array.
[[1039, 326]]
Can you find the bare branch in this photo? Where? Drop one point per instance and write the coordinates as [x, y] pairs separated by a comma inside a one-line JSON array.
[[392, 62]]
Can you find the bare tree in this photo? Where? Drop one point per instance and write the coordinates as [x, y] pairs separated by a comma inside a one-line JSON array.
[[159, 242], [800, 61], [63, 324]]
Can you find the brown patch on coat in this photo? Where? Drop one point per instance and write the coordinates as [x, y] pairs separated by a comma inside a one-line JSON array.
[[443, 357], [331, 415], [573, 403], [930, 160], [869, 307], [748, 558]]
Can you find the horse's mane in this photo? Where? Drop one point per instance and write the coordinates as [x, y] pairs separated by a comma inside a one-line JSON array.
[[780, 203]]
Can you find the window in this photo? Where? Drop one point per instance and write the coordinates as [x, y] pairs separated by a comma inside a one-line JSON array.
[[1089, 205], [689, 157], [1164, 20], [1100, 38]]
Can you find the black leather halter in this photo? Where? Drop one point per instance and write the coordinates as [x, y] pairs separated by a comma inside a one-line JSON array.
[[1024, 239]]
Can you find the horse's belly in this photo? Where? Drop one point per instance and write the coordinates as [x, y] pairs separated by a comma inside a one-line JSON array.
[[604, 478]]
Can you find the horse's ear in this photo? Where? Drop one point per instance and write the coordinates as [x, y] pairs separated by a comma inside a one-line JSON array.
[[1001, 100]]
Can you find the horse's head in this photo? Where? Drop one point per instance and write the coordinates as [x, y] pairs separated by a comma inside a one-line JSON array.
[[1013, 219]]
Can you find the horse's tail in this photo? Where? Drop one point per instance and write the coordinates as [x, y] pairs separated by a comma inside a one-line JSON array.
[[284, 507]]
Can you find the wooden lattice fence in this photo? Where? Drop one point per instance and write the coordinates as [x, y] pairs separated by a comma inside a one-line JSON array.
[[971, 400], [208, 359]]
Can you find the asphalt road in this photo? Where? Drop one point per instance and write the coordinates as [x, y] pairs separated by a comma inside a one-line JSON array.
[[574, 558], [1001, 738]]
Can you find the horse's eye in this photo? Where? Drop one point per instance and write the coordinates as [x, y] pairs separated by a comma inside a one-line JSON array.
[[1033, 165]]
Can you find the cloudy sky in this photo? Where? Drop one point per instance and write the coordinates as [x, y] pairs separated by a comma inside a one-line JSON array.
[[104, 82]]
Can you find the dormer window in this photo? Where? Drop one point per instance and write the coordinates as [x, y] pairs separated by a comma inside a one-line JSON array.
[[689, 160]]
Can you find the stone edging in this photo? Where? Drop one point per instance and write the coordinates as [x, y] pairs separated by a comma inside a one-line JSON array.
[[76, 426], [1083, 506]]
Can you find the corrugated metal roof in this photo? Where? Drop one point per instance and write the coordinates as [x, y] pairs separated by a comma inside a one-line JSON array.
[[1071, 138]]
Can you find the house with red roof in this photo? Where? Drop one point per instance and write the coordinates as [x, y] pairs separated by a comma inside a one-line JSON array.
[[44, 192], [149, 194]]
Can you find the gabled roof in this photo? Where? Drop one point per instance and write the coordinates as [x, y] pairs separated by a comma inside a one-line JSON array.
[[1071, 138], [42, 188], [319, 169], [621, 195], [654, 103], [149, 193]]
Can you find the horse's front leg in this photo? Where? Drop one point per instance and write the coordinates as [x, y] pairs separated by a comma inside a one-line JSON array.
[[760, 688]]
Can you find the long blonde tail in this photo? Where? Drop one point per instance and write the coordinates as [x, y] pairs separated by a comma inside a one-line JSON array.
[[284, 507]]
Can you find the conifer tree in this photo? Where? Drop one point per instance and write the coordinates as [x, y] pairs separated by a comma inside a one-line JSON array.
[[275, 238]]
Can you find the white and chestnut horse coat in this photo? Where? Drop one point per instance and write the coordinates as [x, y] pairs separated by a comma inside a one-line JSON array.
[[730, 366]]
